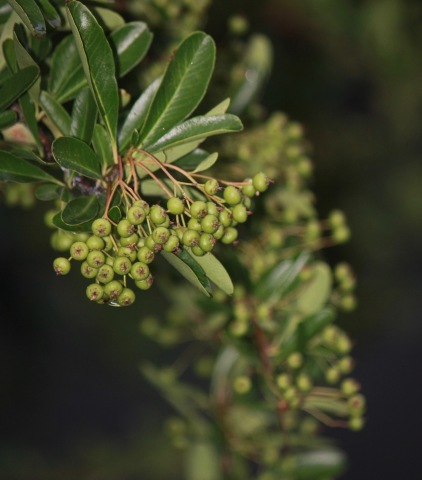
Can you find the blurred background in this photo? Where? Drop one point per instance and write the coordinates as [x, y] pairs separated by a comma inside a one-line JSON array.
[[72, 402]]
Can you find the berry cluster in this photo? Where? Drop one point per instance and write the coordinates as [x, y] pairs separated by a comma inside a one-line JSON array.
[[117, 250]]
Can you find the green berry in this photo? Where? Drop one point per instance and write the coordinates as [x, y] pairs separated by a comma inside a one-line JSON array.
[[210, 223], [295, 360], [225, 217], [157, 214], [136, 215], [304, 382], [190, 238], [240, 214], [207, 242], [218, 234], [122, 265], [232, 195], [60, 241], [125, 228], [336, 219], [95, 259], [95, 242], [230, 235], [260, 182], [356, 423], [332, 375], [249, 190], [113, 289], [130, 240], [108, 244], [105, 274], [126, 298], [341, 234], [79, 251], [356, 404], [242, 384], [127, 252], [197, 251], [145, 255], [61, 266], [161, 235], [87, 271], [212, 208], [349, 387], [211, 186], [145, 284], [194, 224], [172, 244], [94, 292], [139, 271], [198, 209], [143, 204], [283, 381], [101, 227], [175, 206]]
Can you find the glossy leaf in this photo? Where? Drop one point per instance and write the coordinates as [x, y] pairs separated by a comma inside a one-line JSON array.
[[67, 76], [84, 116], [130, 43], [7, 119], [80, 210], [183, 86], [14, 86], [50, 13], [76, 155], [216, 272], [102, 145], [56, 114], [315, 295], [190, 269], [136, 117], [196, 129], [17, 169], [31, 16], [97, 61], [59, 223]]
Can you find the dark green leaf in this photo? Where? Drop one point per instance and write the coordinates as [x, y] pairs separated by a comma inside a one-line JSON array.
[[115, 214], [130, 42], [136, 117], [98, 63], [16, 169], [50, 13], [14, 86], [315, 323], [196, 129], [40, 48], [83, 227], [76, 155], [216, 272], [102, 145], [7, 118], [192, 160], [67, 76], [48, 192], [80, 210], [190, 269], [31, 16], [56, 114], [84, 116], [24, 60], [183, 86]]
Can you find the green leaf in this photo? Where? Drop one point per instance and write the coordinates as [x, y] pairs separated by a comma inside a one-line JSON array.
[[84, 116], [102, 145], [184, 84], [83, 227], [17, 169], [14, 86], [74, 154], [216, 272], [136, 117], [316, 294], [219, 109], [108, 19], [316, 322], [98, 63], [67, 76], [131, 43], [31, 16], [207, 163], [193, 159], [321, 463], [50, 13], [196, 129], [56, 114], [190, 269], [48, 192], [115, 214], [8, 118], [80, 210], [202, 462]]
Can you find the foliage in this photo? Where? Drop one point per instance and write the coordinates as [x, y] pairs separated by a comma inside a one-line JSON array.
[[126, 183]]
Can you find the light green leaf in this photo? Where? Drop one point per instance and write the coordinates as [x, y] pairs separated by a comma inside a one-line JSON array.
[[184, 84], [80, 210], [207, 163], [195, 129], [14, 86], [67, 76], [31, 16], [316, 294], [190, 269], [98, 63], [74, 154], [108, 19], [56, 114], [202, 462], [322, 463], [7, 118], [219, 109], [136, 117], [215, 271], [84, 116], [130, 43], [17, 169], [102, 145]]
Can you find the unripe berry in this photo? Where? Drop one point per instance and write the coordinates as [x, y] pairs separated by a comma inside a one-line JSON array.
[[211, 186], [113, 289], [145, 255], [210, 223], [101, 227], [60, 241], [295, 360], [230, 235], [145, 284], [212, 208], [95, 259], [125, 228], [87, 271], [198, 209], [283, 381], [249, 190], [242, 384], [357, 404], [332, 375], [79, 251], [161, 235], [175, 206], [240, 214], [356, 423], [143, 204], [225, 217], [260, 181], [139, 271], [194, 224], [95, 242], [190, 238], [122, 265], [207, 242], [304, 382], [94, 292], [130, 240], [105, 274], [157, 215], [349, 387], [218, 234], [197, 251], [336, 219], [341, 234], [61, 266], [172, 243], [232, 195], [126, 298], [136, 215]]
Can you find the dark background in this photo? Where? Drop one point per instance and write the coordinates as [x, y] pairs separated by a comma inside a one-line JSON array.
[[351, 73]]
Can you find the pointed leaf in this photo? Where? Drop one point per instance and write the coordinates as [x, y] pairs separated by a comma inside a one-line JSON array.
[[136, 117], [102, 145], [108, 19], [219, 109], [17, 169], [216, 272], [67, 76], [193, 160], [74, 154], [50, 13], [31, 16], [196, 128], [190, 269], [16, 85], [130, 43], [24, 59], [98, 63], [59, 223], [84, 116], [57, 115], [8, 118], [80, 210], [316, 294], [183, 86], [207, 163]]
